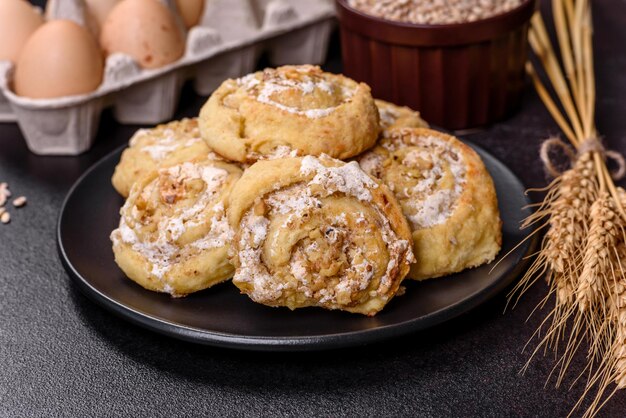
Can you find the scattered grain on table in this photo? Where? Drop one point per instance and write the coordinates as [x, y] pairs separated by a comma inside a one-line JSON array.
[[19, 202], [5, 194]]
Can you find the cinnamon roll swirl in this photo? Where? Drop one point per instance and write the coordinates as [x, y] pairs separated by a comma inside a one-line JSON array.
[[446, 194], [163, 146], [173, 235], [317, 232], [299, 108]]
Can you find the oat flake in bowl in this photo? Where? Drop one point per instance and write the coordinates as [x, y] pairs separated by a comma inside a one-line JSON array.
[[435, 12]]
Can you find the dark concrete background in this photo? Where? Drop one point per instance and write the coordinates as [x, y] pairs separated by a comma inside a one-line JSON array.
[[61, 355]]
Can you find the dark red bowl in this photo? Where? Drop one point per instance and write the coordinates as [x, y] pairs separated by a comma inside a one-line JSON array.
[[458, 76]]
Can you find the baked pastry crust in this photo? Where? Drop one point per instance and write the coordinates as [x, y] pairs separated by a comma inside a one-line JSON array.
[[297, 108], [163, 146], [317, 232], [393, 116], [173, 235], [446, 194]]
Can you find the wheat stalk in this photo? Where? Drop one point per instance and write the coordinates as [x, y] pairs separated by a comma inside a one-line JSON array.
[[583, 252]]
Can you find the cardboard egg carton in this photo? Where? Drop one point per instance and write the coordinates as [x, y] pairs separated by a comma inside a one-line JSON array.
[[227, 43]]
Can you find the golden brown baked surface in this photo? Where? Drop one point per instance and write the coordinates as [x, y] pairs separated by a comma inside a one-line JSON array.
[[163, 146], [393, 116], [173, 235], [446, 194], [300, 228], [317, 232], [297, 108]]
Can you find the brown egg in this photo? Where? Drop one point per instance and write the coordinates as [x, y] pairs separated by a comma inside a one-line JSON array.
[[100, 9], [18, 21], [97, 12], [144, 29], [190, 11], [60, 59]]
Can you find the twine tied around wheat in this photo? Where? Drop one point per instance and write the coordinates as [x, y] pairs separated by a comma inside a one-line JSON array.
[[588, 145]]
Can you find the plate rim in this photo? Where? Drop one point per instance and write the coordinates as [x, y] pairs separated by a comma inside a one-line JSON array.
[[300, 343]]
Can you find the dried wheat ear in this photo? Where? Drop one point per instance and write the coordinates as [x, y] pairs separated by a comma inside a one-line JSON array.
[[583, 252]]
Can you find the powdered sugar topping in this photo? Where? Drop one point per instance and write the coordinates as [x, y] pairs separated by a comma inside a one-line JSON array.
[[160, 247], [281, 151], [270, 82], [334, 246], [345, 178], [388, 116], [159, 143], [433, 197], [372, 163]]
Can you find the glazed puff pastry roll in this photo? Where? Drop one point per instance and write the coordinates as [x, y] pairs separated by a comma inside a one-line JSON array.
[[317, 232], [393, 116], [174, 235], [163, 146], [446, 194], [299, 108]]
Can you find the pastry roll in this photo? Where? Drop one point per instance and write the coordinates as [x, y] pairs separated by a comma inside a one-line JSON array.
[[166, 145], [317, 232], [393, 116], [298, 108], [173, 235], [446, 194]]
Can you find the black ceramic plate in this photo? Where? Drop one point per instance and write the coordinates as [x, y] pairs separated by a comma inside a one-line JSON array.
[[222, 316]]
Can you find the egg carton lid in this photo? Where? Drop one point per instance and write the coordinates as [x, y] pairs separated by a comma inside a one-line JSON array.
[[203, 42]]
